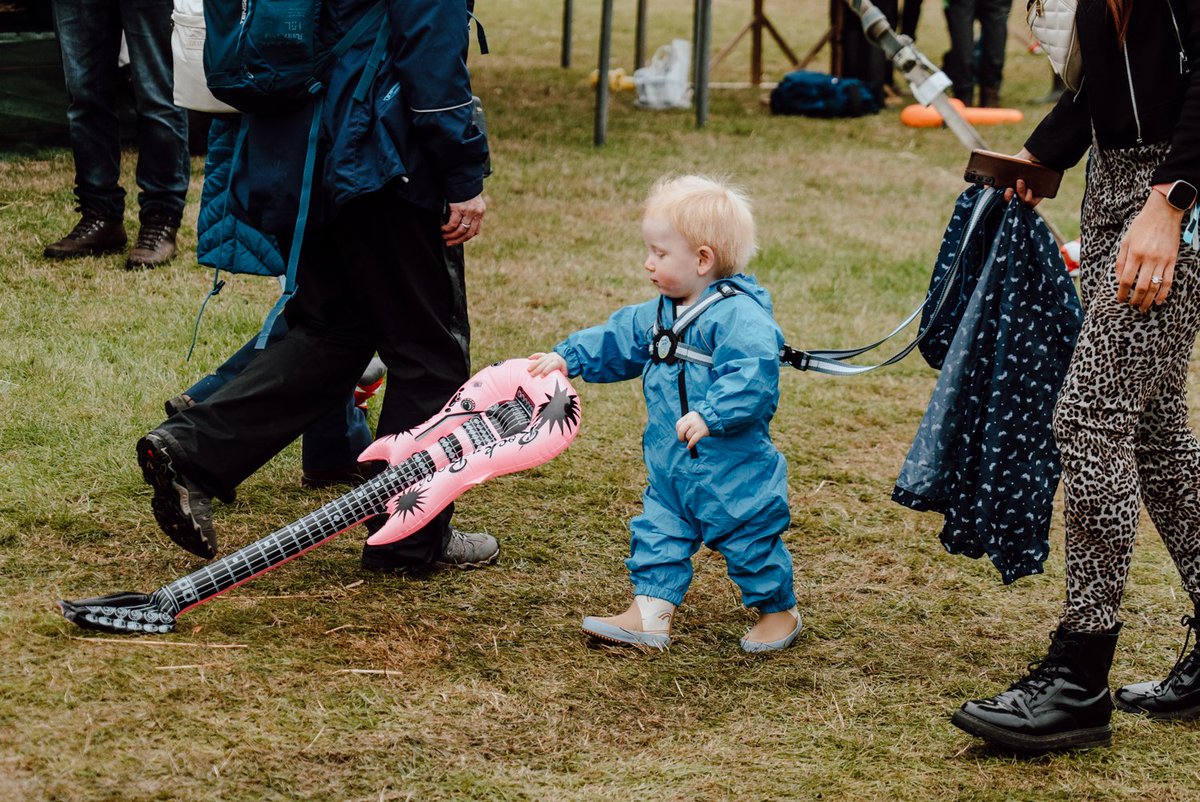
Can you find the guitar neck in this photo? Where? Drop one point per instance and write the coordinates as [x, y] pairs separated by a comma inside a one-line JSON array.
[[365, 501]]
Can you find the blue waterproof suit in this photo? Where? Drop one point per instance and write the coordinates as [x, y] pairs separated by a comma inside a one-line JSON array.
[[732, 495]]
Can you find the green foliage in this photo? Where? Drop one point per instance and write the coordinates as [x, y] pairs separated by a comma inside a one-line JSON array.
[[490, 692]]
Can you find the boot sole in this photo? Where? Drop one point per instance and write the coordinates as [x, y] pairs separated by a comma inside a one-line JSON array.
[[621, 637], [130, 265], [170, 502], [62, 257], [1176, 715], [491, 559], [1032, 744]]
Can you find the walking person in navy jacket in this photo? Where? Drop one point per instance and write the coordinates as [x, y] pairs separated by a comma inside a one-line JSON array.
[[1121, 421], [397, 192]]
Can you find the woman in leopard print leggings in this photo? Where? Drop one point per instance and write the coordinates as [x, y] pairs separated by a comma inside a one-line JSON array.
[[1121, 422]]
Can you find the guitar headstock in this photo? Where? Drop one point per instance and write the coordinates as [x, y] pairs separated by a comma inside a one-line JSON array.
[[123, 613]]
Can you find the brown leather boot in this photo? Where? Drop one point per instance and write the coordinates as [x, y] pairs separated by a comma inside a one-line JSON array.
[[989, 97], [155, 243], [92, 235]]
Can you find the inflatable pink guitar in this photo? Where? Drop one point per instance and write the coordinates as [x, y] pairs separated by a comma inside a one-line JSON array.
[[501, 421]]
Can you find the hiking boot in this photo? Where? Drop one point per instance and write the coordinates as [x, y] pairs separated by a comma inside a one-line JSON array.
[[463, 550], [1062, 703], [1177, 696], [181, 507], [989, 97], [155, 243], [469, 550], [92, 235], [178, 404]]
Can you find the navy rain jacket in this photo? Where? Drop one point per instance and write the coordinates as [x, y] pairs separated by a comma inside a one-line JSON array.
[[412, 131], [984, 455]]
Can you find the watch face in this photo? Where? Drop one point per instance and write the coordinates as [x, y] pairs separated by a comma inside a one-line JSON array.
[[1181, 195]]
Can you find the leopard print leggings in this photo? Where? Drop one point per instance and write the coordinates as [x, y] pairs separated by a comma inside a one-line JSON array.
[[1121, 421]]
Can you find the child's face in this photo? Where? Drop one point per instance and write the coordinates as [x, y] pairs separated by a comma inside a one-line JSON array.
[[675, 267]]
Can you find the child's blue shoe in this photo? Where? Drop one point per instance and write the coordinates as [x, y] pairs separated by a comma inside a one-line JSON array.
[[754, 646], [647, 623]]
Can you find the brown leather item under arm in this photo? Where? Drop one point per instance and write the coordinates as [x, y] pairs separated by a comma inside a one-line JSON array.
[[1001, 171]]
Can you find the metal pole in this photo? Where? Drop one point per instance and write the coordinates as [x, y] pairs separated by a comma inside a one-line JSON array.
[[927, 82], [568, 13], [600, 129], [703, 45], [756, 37], [639, 43]]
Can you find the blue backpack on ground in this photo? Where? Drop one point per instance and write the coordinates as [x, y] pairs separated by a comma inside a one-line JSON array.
[[815, 94]]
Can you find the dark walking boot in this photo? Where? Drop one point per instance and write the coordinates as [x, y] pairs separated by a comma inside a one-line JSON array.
[[1062, 703], [1177, 696], [92, 235], [155, 243], [182, 508], [989, 97]]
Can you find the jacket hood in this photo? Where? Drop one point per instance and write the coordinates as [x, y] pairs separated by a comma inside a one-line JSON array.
[[748, 285]]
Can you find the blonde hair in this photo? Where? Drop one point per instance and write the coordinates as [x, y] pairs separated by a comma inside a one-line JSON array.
[[707, 211]]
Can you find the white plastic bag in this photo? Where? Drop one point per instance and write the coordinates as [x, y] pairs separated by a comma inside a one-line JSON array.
[[187, 51], [665, 83]]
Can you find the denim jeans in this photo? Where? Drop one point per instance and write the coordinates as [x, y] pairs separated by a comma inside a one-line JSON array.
[[89, 35], [332, 443], [962, 66]]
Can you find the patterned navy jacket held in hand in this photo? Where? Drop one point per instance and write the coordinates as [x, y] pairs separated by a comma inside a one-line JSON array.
[[984, 455]]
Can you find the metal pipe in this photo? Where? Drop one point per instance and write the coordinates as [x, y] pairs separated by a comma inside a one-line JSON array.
[[600, 130], [568, 14], [704, 34]]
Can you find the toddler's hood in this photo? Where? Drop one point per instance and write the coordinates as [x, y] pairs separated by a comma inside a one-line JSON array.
[[750, 286]]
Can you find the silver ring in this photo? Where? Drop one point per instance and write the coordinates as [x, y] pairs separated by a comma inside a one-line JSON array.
[[468, 225], [1156, 280]]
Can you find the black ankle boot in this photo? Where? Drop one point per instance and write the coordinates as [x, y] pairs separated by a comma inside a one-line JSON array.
[[1177, 696], [1062, 703]]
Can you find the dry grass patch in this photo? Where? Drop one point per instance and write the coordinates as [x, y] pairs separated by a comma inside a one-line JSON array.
[[480, 686]]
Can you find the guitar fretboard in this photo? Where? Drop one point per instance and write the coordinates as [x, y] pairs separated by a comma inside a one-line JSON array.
[[367, 500]]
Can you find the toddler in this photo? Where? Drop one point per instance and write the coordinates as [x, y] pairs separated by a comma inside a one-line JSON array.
[[707, 349]]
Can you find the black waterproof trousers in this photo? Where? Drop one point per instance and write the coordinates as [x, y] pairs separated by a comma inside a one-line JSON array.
[[377, 278]]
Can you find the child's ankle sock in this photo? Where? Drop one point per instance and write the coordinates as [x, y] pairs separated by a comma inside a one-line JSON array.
[[656, 613]]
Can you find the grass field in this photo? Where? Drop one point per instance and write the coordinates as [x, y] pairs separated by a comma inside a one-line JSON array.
[[490, 692]]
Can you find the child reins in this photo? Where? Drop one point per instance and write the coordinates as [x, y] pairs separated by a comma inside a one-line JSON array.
[[666, 343]]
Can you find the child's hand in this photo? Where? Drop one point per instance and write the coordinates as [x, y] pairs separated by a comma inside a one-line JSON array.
[[545, 364], [691, 428]]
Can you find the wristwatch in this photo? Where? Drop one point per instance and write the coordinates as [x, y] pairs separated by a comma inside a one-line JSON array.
[[1180, 194]]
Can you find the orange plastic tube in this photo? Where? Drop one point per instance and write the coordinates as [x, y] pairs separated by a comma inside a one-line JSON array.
[[918, 116]]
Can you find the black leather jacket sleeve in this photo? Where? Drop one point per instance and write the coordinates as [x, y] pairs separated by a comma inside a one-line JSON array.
[[1183, 162], [1063, 135], [1134, 93]]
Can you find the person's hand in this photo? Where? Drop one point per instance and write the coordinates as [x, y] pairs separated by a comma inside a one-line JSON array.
[[545, 364], [1022, 191], [691, 428], [465, 221], [1146, 258]]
